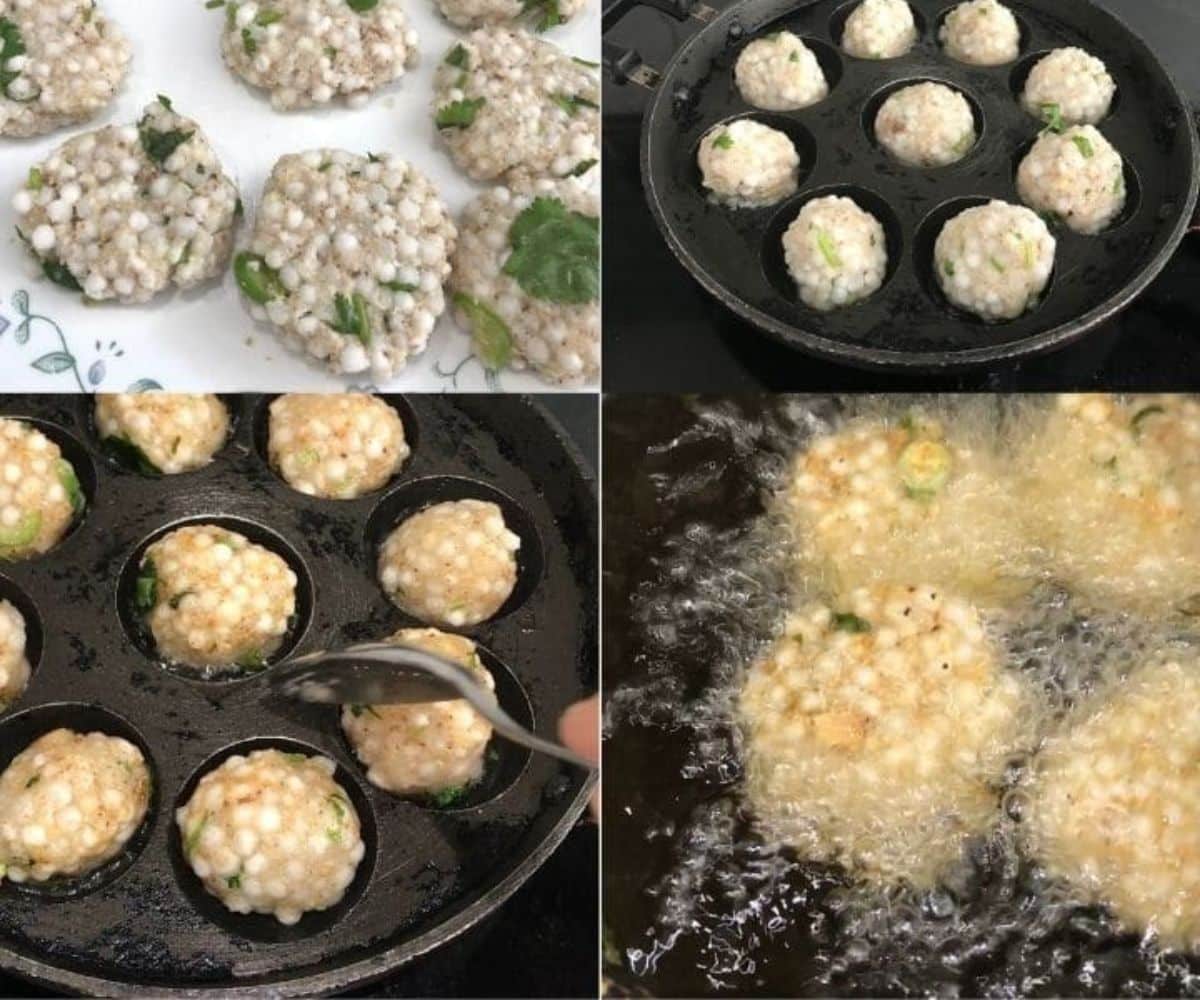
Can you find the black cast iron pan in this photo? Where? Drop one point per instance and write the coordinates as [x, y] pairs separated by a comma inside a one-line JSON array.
[[143, 923], [699, 905], [908, 324]]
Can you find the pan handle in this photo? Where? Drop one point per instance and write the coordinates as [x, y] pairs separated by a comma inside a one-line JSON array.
[[625, 65]]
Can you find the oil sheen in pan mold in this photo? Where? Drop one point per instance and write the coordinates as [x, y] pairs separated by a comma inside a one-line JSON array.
[[262, 926], [400, 404], [412, 497], [436, 873], [138, 630], [117, 458], [504, 761], [18, 731]]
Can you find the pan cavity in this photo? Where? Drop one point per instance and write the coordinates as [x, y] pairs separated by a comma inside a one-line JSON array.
[[389, 741], [828, 258], [1132, 183], [882, 23], [333, 447], [67, 489], [223, 609], [982, 34], [1081, 100], [238, 854], [752, 161], [779, 70], [155, 434], [926, 126], [443, 559], [22, 638], [59, 806], [924, 263]]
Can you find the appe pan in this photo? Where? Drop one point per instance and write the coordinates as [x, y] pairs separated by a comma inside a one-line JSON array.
[[142, 923], [682, 474], [908, 324]]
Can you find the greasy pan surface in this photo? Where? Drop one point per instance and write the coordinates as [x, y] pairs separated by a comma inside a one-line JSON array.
[[143, 922], [736, 254], [699, 905]]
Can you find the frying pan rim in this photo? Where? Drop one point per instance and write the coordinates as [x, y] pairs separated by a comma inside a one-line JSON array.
[[877, 358], [365, 971]]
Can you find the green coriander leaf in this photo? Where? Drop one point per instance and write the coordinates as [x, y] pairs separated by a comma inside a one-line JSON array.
[[997, 265], [11, 42], [572, 103], [723, 141], [556, 253], [160, 145], [459, 57], [234, 881], [362, 6], [146, 587], [36, 181], [258, 282], [60, 274], [1084, 145], [252, 659], [444, 797], [847, 621], [248, 42], [1052, 116], [130, 456], [193, 838], [268, 16], [490, 336], [399, 286], [828, 248], [214, 4], [948, 267], [165, 102], [582, 167], [547, 13], [459, 114]]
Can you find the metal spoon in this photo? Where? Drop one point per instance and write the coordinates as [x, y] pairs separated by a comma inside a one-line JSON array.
[[378, 673]]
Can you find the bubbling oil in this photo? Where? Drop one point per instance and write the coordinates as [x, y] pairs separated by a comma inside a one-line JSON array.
[[747, 913]]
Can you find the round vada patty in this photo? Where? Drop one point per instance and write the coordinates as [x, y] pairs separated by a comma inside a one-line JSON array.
[[856, 749], [213, 599]]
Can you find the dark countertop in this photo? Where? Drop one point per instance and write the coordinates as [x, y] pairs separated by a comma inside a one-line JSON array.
[[543, 942], [663, 333]]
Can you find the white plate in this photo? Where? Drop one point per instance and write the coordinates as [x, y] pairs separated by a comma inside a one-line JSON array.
[[205, 340]]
